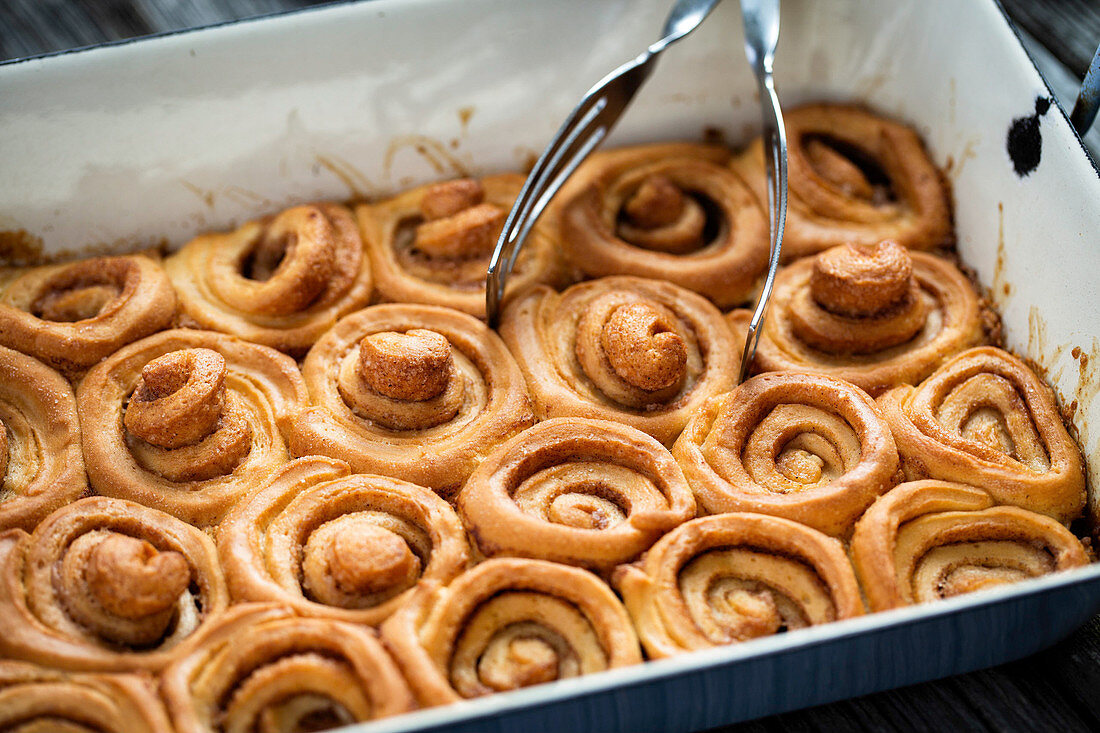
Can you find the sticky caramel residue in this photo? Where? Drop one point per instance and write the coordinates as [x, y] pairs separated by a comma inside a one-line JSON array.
[[20, 247], [434, 152]]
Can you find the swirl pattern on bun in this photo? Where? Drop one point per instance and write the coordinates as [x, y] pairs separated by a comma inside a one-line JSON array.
[[506, 624], [189, 421], [107, 585], [72, 315], [671, 211], [281, 281], [927, 540], [801, 446], [327, 542], [584, 492], [734, 577], [874, 315], [641, 352], [854, 178], [417, 392], [984, 418]]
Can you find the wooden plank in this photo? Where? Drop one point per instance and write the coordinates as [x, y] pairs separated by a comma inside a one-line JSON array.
[[1070, 29]]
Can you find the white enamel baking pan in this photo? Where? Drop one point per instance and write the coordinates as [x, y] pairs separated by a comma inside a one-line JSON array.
[[122, 146]]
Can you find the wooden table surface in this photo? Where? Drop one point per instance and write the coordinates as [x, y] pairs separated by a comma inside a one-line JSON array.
[[1058, 689]]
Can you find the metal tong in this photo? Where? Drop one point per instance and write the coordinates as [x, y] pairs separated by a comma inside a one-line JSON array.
[[599, 110], [761, 19], [583, 131]]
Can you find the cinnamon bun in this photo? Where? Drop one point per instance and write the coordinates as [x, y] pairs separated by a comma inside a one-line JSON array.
[[39, 700], [507, 624], [584, 492], [330, 543], [854, 178], [107, 585], [984, 418], [72, 315], [187, 421], [874, 315], [927, 540], [641, 352], [263, 668], [417, 392], [670, 211], [800, 446], [281, 281], [734, 577], [432, 244], [40, 460]]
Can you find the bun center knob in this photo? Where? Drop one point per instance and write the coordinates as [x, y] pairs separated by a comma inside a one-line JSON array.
[[366, 558], [178, 399], [643, 348], [520, 661], [131, 579], [457, 222], [413, 366], [660, 216], [862, 280]]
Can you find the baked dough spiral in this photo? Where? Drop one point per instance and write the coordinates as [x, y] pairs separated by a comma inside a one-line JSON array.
[[40, 461], [187, 421], [927, 540], [874, 315], [800, 446], [38, 700], [584, 492], [854, 178], [505, 624], [734, 577], [432, 244], [417, 392], [107, 585], [263, 668], [669, 212], [984, 418], [281, 281], [641, 352], [72, 315], [330, 543]]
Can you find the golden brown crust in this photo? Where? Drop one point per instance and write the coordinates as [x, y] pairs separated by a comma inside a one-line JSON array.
[[281, 281], [261, 667], [926, 540], [432, 244], [505, 624], [734, 577], [984, 418], [147, 401], [584, 492], [641, 352], [835, 319], [359, 414], [107, 585], [832, 199], [36, 699], [40, 458], [805, 447], [71, 316], [350, 547], [671, 211]]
